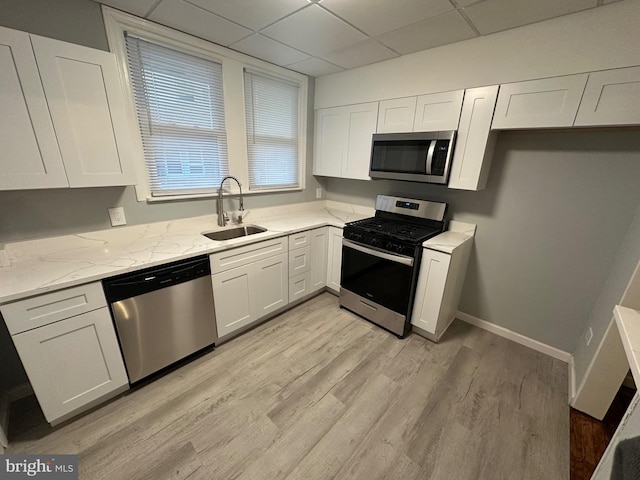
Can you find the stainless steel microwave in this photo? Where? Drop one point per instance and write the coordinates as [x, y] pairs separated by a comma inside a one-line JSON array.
[[418, 157]]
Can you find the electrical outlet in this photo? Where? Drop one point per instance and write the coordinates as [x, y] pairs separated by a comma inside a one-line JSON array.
[[588, 336], [116, 215], [319, 192]]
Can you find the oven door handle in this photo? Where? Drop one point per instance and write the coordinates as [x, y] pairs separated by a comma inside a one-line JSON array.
[[404, 260]]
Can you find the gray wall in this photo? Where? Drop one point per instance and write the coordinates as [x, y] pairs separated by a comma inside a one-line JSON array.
[[45, 213], [550, 223]]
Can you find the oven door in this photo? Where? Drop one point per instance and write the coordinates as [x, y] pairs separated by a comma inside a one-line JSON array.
[[377, 285]]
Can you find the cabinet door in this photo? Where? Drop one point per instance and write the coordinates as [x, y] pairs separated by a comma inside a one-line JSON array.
[[397, 115], [232, 299], [432, 279], [612, 97], [362, 120], [87, 107], [29, 153], [331, 132], [269, 285], [475, 141], [334, 259], [438, 111], [546, 103], [73, 362], [319, 260]]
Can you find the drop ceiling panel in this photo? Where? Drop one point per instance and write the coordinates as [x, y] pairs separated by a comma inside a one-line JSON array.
[[314, 67], [264, 48], [447, 28], [493, 16], [314, 31], [251, 13], [360, 54], [139, 7], [194, 20], [375, 17]]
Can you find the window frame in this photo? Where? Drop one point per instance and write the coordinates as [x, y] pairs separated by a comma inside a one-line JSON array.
[[233, 66]]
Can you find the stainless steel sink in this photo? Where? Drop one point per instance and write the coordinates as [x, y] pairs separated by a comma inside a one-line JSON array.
[[234, 232]]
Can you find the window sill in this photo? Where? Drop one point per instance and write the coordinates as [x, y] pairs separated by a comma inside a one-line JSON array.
[[226, 193]]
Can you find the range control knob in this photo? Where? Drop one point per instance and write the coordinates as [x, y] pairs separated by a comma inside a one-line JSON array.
[[375, 242]]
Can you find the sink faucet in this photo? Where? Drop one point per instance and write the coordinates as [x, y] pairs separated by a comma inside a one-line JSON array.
[[223, 218]]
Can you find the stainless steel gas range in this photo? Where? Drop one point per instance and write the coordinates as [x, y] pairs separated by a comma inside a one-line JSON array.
[[381, 259]]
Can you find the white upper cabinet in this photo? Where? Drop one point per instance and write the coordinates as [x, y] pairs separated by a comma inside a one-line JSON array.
[[438, 111], [612, 97], [343, 140], [475, 141], [29, 157], [546, 103], [397, 115], [62, 116], [425, 113], [88, 111]]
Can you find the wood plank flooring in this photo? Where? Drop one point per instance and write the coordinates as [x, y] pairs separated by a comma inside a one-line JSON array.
[[319, 393]]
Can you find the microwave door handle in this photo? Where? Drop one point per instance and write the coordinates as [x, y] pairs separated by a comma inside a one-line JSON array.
[[377, 253], [429, 159]]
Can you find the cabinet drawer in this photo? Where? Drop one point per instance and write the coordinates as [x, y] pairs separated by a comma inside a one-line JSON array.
[[299, 261], [44, 309], [299, 286], [238, 257], [299, 240]]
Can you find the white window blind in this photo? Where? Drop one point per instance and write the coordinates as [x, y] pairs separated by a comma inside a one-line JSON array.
[[271, 108], [180, 107]]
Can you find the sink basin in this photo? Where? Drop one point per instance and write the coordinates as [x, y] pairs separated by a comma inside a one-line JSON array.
[[234, 232]]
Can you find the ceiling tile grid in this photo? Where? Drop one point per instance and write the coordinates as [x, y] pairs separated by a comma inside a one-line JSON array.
[[319, 37]]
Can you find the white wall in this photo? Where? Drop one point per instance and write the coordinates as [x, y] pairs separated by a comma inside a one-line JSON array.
[[605, 37]]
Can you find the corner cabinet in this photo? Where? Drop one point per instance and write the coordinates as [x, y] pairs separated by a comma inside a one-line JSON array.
[[474, 142], [68, 348], [343, 140], [63, 116], [249, 283]]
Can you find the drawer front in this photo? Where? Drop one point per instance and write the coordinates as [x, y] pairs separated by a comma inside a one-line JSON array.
[[238, 257], [299, 286], [299, 261], [44, 309], [299, 240]]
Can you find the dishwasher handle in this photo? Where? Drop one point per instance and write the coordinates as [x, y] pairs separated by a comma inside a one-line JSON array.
[[151, 279]]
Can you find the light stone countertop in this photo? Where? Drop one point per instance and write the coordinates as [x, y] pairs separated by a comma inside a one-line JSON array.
[[43, 265], [457, 233], [48, 264]]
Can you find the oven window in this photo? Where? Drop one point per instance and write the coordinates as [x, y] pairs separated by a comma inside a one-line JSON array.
[[381, 281], [409, 156]]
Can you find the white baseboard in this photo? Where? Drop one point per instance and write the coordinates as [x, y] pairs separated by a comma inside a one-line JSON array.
[[516, 337]]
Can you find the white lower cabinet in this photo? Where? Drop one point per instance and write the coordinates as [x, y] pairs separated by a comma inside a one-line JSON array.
[[249, 283], [334, 259], [319, 249], [307, 262], [73, 364], [440, 282]]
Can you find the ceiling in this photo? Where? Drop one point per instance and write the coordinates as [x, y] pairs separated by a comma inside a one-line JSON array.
[[319, 37]]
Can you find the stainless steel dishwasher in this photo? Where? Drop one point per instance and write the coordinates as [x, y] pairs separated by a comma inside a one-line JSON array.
[[162, 314]]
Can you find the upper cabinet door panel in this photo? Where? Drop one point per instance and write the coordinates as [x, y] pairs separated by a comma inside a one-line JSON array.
[[612, 97], [362, 126], [29, 157], [397, 115], [439, 111], [330, 141], [546, 103], [88, 111]]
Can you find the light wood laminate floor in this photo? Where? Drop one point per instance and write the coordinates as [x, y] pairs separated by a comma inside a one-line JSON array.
[[319, 393]]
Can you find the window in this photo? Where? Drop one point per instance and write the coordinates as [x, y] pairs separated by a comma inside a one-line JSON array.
[[271, 110], [180, 108]]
